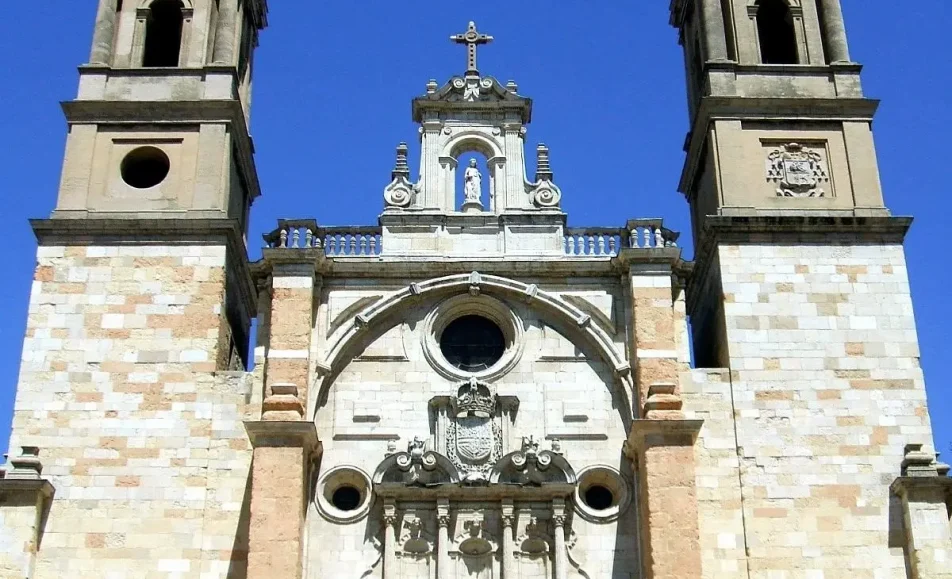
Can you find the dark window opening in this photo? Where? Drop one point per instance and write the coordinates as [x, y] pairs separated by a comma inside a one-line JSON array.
[[472, 343], [118, 6], [728, 13], [346, 498], [163, 34], [145, 167], [599, 497], [778, 40]]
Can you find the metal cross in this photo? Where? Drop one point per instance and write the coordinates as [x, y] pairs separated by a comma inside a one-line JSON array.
[[471, 38]]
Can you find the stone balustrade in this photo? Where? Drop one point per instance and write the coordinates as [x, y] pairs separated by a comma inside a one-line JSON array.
[[356, 241], [366, 241], [608, 241]]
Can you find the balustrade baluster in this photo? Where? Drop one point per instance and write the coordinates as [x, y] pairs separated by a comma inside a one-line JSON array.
[[284, 238], [363, 245], [601, 244], [612, 248]]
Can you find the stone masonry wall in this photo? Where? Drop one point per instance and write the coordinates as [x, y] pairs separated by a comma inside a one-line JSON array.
[[384, 395], [826, 391], [143, 442]]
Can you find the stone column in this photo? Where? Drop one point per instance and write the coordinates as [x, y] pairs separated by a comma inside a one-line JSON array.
[[225, 33], [558, 524], [283, 453], [105, 33], [925, 492], [508, 518], [390, 570], [834, 31], [663, 452], [715, 35], [292, 311], [443, 570]]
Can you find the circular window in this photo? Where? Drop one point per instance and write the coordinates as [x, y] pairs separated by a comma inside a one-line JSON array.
[[599, 497], [472, 336], [472, 343], [346, 498], [344, 494], [145, 167]]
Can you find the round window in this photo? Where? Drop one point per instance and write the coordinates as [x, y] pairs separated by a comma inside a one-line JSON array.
[[145, 167], [599, 497], [472, 343], [346, 498]]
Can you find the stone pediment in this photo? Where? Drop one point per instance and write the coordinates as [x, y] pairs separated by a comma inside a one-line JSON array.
[[468, 94]]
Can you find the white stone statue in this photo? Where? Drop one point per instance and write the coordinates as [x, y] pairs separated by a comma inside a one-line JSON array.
[[473, 188]]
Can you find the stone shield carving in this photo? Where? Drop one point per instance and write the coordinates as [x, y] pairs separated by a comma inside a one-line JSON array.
[[797, 171], [474, 437]]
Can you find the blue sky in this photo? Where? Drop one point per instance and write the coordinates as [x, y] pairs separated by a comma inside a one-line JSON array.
[[332, 99]]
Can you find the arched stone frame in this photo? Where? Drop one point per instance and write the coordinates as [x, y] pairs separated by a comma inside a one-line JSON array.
[[472, 140], [799, 29], [342, 342], [143, 10]]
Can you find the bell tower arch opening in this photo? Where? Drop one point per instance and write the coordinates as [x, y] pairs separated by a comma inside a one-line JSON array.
[[163, 36], [776, 33]]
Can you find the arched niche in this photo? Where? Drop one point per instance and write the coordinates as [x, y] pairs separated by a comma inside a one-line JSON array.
[[494, 173]]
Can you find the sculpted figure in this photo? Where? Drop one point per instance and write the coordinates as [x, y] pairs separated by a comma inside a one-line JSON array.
[[473, 182]]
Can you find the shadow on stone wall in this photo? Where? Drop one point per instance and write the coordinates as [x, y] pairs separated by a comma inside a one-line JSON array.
[[238, 569]]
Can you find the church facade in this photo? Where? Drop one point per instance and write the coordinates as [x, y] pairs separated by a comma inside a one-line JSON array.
[[471, 388]]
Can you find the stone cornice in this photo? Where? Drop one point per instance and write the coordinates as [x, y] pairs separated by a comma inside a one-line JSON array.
[[653, 433], [715, 108], [160, 231], [906, 485], [229, 112], [13, 485], [284, 433]]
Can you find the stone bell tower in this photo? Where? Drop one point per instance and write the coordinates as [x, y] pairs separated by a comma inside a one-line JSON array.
[[800, 293], [142, 300]]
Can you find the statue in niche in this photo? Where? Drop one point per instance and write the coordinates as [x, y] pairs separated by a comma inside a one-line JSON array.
[[473, 183]]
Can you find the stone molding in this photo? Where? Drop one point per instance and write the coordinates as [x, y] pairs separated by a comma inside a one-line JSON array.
[[654, 433], [283, 434]]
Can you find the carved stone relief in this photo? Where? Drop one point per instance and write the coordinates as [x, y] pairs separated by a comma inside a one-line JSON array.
[[797, 171]]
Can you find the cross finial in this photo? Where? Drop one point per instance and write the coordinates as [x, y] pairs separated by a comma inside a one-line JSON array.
[[471, 38]]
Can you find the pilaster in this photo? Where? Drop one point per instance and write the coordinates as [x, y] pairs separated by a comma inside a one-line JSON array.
[[283, 454], [25, 500], [288, 356], [925, 492], [663, 452], [655, 342]]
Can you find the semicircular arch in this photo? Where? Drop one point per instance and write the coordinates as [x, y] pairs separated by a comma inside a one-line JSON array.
[[466, 141], [350, 337]]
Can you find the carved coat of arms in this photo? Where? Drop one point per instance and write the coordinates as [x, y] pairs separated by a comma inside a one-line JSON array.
[[474, 437], [798, 172]]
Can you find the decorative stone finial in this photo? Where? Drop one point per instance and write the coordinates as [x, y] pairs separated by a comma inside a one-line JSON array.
[[512, 87], [431, 86], [27, 466], [543, 170], [401, 168], [919, 463]]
